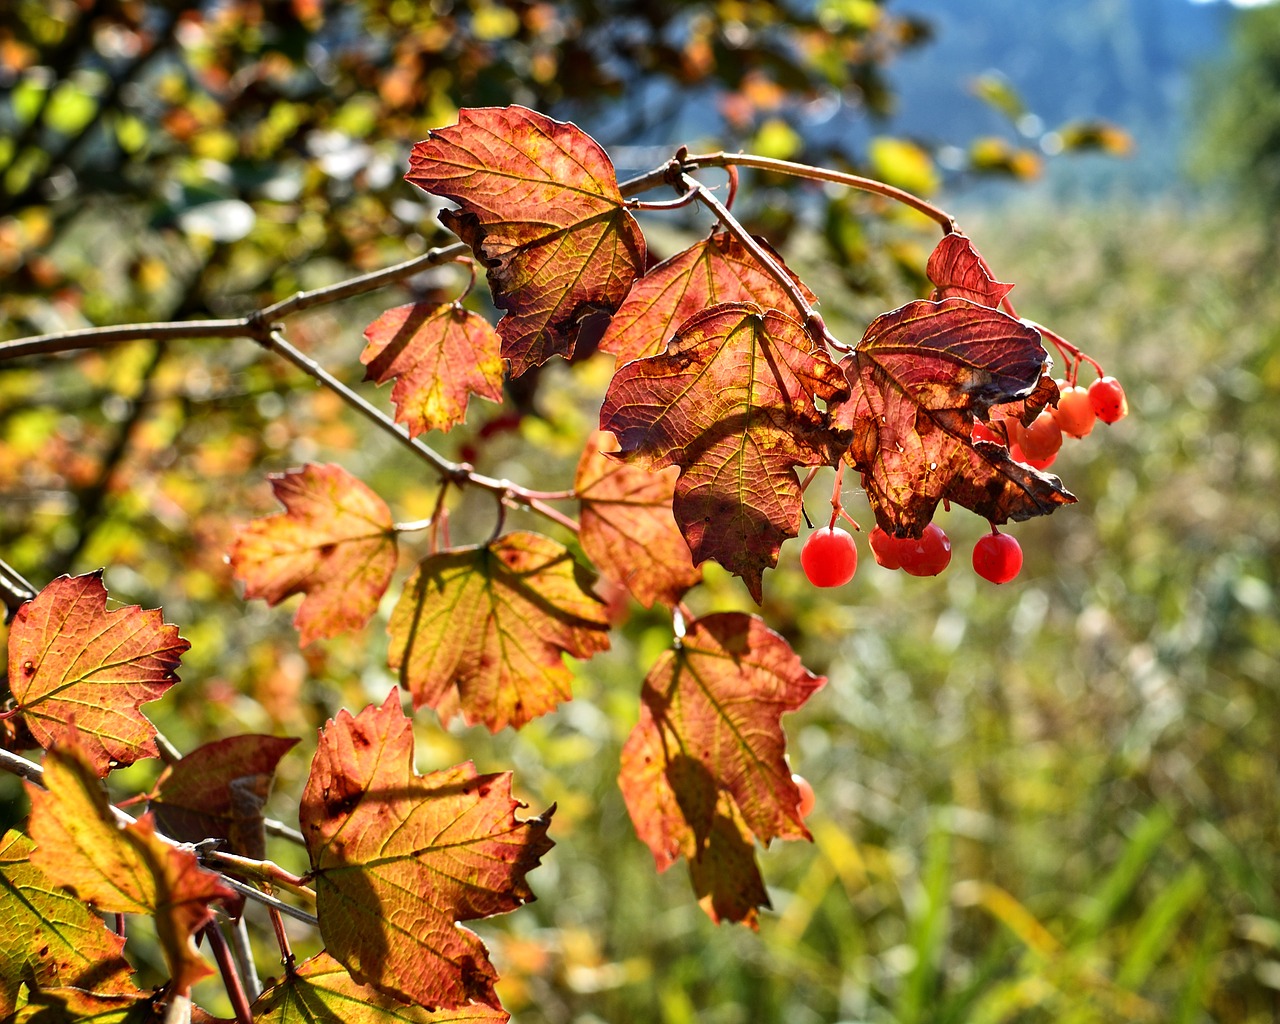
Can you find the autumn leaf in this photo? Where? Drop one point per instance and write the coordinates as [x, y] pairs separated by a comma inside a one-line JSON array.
[[320, 991], [398, 859], [439, 355], [703, 772], [77, 668], [919, 376], [959, 271], [51, 939], [219, 790], [540, 207], [484, 629], [734, 402], [127, 870], [627, 528], [716, 269], [76, 1006], [334, 543]]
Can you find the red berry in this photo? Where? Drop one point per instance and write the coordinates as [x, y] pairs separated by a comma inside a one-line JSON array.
[[1108, 400], [928, 555], [982, 432], [807, 797], [1042, 439], [997, 557], [829, 557], [1018, 455], [1074, 413], [884, 546]]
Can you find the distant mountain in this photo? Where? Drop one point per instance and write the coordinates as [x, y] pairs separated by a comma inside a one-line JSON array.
[[1128, 61]]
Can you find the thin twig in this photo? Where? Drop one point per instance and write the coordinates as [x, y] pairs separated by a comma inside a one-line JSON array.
[[269, 901], [230, 974], [15, 590]]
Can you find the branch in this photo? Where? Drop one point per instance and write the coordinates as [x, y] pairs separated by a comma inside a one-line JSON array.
[[15, 591]]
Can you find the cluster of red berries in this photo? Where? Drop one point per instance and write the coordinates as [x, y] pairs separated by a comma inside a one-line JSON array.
[[1037, 443], [830, 558]]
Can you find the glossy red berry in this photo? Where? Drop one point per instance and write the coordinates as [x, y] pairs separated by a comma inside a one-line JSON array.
[[1108, 400], [808, 799], [1018, 455], [884, 547], [829, 557], [926, 556], [1074, 413], [1042, 438], [997, 557], [982, 432]]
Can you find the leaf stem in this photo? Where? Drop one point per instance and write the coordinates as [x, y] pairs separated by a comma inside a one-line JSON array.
[[261, 870], [227, 968], [763, 163]]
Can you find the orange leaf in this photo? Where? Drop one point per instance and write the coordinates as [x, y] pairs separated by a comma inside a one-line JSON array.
[[484, 629], [123, 870], [542, 211], [717, 269], [439, 355], [399, 859], [734, 402], [321, 989], [704, 769], [50, 938], [334, 543], [75, 667], [219, 790], [627, 527]]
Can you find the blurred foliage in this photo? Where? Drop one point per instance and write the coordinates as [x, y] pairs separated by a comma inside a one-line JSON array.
[[1052, 801]]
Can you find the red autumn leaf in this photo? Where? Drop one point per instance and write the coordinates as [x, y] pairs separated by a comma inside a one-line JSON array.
[[959, 271], [484, 629], [540, 207], [703, 772], [321, 989], [219, 790], [128, 870], [733, 402], [51, 939], [334, 543], [439, 355], [398, 859], [75, 667], [920, 375], [717, 269], [627, 526]]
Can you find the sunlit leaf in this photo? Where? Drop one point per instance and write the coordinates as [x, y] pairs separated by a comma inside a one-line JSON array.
[[716, 269], [484, 629], [219, 790], [75, 667], [398, 859], [627, 527], [540, 207], [919, 376], [334, 543], [127, 869], [76, 1006], [958, 271], [322, 991], [439, 355], [734, 402], [50, 937], [703, 772]]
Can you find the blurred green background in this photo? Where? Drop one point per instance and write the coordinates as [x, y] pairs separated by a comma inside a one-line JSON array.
[[1051, 801]]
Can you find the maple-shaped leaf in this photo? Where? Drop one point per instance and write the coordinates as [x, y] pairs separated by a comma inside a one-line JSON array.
[[734, 402], [218, 791], [322, 991], [627, 526], [919, 376], [128, 870], [439, 355], [398, 859], [76, 1006], [958, 271], [75, 667], [540, 207], [703, 772], [716, 269], [48, 938], [484, 629], [335, 543]]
